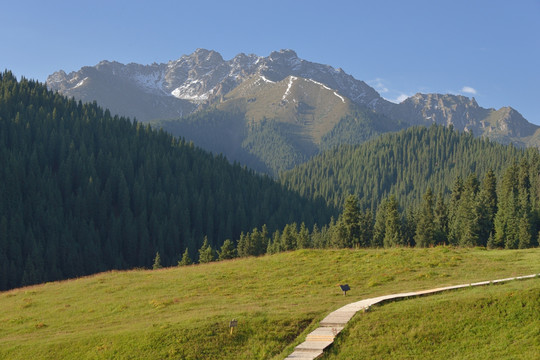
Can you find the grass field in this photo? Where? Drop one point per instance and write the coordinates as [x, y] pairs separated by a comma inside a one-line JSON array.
[[491, 322], [184, 313]]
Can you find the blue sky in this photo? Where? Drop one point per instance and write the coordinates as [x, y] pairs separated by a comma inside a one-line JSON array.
[[489, 49]]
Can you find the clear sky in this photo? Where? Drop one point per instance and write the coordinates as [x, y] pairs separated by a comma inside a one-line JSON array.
[[489, 49]]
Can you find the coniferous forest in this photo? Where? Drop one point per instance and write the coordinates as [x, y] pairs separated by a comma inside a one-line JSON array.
[[83, 191]]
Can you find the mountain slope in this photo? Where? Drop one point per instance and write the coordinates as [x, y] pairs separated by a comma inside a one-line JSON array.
[[83, 191]]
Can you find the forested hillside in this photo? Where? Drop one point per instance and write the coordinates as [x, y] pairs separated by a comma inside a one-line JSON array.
[[272, 145], [403, 164], [83, 191]]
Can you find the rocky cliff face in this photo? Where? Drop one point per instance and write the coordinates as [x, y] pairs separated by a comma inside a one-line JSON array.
[[463, 114]]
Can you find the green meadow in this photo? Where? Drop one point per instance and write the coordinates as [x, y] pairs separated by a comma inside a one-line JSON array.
[[490, 322], [184, 312]]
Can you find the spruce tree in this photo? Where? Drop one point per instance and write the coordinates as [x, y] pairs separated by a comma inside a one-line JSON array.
[[186, 259], [466, 223], [441, 221], [288, 237], [157, 262], [303, 240], [506, 219], [425, 223], [454, 231], [366, 226], [379, 228], [227, 250], [350, 220], [206, 253], [486, 208], [392, 233]]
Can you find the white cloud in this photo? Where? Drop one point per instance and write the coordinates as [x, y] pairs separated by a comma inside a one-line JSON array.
[[392, 95], [402, 97], [378, 85], [468, 90], [398, 99]]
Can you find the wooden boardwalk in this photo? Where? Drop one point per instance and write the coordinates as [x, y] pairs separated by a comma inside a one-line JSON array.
[[322, 337]]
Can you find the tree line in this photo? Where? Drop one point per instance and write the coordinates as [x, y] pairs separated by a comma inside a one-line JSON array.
[[477, 213], [403, 163]]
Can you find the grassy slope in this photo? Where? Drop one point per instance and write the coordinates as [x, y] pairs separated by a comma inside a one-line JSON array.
[[492, 322], [184, 312]]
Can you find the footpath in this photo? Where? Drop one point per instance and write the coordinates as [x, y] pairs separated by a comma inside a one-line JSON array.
[[322, 337]]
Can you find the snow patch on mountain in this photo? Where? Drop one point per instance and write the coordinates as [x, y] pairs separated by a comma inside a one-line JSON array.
[[291, 80], [190, 90], [327, 88], [339, 96], [80, 83], [266, 80], [152, 82]]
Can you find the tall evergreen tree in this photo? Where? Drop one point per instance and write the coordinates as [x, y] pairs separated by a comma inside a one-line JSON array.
[[206, 253], [506, 219], [454, 230], [379, 228], [392, 232], [227, 251], [425, 224], [186, 259], [350, 220], [441, 221], [487, 208], [157, 262], [466, 222]]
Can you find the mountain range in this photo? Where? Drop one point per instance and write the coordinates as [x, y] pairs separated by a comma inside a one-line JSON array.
[[276, 111]]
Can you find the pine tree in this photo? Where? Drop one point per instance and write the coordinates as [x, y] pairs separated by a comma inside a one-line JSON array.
[[157, 262], [350, 220], [425, 224], [506, 219], [392, 234], [186, 259], [303, 241], [288, 237], [525, 232], [243, 245], [366, 227], [379, 228], [206, 253], [441, 221], [227, 250], [454, 230], [487, 208], [467, 218]]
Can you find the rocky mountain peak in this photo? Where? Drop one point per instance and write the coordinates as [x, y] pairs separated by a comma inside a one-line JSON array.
[[207, 56], [283, 55]]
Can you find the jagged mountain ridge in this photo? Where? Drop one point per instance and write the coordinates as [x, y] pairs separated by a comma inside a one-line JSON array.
[[182, 86], [312, 106], [504, 125], [200, 79]]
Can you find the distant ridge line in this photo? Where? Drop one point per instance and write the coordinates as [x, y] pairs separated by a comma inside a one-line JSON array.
[[322, 337]]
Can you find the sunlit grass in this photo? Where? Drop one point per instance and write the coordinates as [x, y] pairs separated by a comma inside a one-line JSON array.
[[184, 313], [491, 322]]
